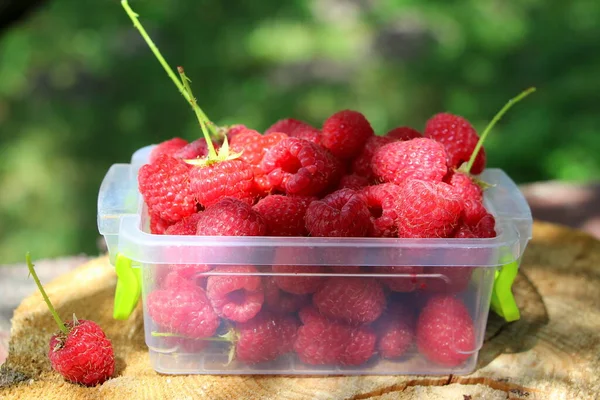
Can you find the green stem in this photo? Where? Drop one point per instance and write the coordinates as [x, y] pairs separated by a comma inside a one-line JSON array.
[[496, 118], [186, 84], [136, 23], [59, 321]]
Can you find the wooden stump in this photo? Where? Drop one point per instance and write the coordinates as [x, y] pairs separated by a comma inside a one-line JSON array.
[[553, 352]]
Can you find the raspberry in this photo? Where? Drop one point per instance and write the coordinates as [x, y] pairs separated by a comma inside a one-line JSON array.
[[253, 145], [298, 284], [84, 355], [235, 297], [351, 300], [265, 337], [284, 215], [230, 217], [340, 214], [231, 178], [287, 126], [427, 209], [307, 133], [445, 331], [181, 274], [168, 147], [233, 130], [403, 133], [354, 182], [321, 341], [485, 228], [401, 284], [164, 185], [465, 187], [414, 159], [458, 137], [195, 149], [361, 165], [396, 331], [187, 226], [300, 167], [345, 133], [183, 309], [279, 301], [456, 280], [350, 269], [382, 203], [158, 226]]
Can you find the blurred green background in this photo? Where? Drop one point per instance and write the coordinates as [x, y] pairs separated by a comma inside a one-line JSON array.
[[79, 89]]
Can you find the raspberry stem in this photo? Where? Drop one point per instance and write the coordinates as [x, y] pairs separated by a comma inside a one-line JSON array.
[[493, 122], [59, 321], [188, 96]]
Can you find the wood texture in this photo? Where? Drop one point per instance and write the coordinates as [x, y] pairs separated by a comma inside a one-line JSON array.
[[553, 352]]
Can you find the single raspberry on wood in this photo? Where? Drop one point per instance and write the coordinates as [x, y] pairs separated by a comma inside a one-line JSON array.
[[427, 209], [284, 215], [230, 217], [382, 202], [164, 185], [403, 133], [279, 301], [168, 147], [235, 297], [395, 330], [419, 158], [445, 331], [458, 137], [345, 133], [361, 164], [340, 214], [351, 300], [229, 178], [300, 167]]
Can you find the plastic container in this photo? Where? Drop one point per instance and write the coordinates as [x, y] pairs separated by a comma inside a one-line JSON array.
[[475, 271]]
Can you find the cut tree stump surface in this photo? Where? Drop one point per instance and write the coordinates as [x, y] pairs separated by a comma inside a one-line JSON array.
[[553, 352]]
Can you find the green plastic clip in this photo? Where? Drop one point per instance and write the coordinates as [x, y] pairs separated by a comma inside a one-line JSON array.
[[129, 287], [503, 302]]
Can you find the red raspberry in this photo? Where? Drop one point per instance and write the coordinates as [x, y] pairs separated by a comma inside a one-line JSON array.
[[445, 331], [164, 185], [184, 310], [382, 201], [345, 133], [265, 337], [339, 214], [287, 126], [350, 269], [253, 145], [184, 273], [351, 300], [231, 178], [168, 147], [195, 149], [230, 217], [485, 228], [235, 297], [464, 186], [279, 301], [321, 341], [400, 284], [298, 284], [84, 355], [233, 130], [187, 226], [158, 226], [300, 167], [403, 133], [427, 209], [396, 331], [414, 159], [307, 133], [458, 137], [354, 182], [284, 215], [361, 165]]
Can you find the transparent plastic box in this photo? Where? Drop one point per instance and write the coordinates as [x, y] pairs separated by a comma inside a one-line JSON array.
[[476, 272]]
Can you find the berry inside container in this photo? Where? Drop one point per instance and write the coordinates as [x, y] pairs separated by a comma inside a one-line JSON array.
[[266, 304]]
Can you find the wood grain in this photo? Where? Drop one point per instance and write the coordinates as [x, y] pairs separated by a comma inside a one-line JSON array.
[[553, 352]]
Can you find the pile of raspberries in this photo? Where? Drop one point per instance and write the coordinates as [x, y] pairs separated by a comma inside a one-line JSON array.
[[338, 181]]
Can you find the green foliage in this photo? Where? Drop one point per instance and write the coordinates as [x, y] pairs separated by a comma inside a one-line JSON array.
[[79, 90]]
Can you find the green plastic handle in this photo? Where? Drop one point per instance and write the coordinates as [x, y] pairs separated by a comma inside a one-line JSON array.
[[503, 302], [129, 288]]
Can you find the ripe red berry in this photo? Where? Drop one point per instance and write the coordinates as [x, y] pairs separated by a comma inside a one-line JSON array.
[[195, 149], [427, 209], [403, 133], [187, 226], [382, 202], [360, 347], [287, 126], [230, 178], [445, 331], [350, 300], [407, 283], [235, 297], [361, 165], [253, 146], [354, 182], [184, 309], [230, 217], [340, 214], [300, 167], [419, 158], [168, 147], [395, 330], [345, 133], [158, 226], [284, 215], [458, 137], [164, 185], [298, 284], [279, 301], [307, 133]]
